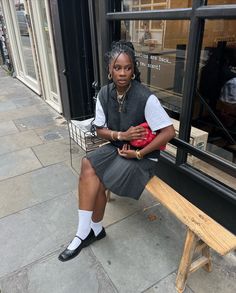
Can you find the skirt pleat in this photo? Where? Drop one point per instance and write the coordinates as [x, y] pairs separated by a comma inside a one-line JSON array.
[[124, 177]]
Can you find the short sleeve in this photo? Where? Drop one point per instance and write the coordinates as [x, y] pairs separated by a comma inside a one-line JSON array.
[[155, 115], [100, 119]]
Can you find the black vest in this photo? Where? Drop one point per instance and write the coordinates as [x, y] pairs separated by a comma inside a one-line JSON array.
[[132, 113]]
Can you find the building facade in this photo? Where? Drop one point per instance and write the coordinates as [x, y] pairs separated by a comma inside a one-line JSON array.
[[30, 33], [186, 52]]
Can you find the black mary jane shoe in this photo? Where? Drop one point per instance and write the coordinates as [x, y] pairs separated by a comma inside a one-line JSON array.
[[68, 254]]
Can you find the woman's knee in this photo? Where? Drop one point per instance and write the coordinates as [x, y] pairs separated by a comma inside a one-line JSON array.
[[86, 168]]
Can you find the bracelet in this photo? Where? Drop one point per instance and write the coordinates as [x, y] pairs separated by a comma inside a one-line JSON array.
[[138, 155], [118, 136], [112, 135]]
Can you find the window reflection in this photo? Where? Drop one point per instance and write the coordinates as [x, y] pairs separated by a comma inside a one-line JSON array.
[[215, 105], [213, 172], [138, 5], [24, 24], [218, 2], [161, 52], [47, 43]]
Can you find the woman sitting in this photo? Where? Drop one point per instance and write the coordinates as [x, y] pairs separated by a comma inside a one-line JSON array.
[[121, 106]]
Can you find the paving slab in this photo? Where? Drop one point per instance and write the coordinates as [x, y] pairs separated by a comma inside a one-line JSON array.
[[19, 113], [17, 163], [46, 109], [26, 101], [41, 230], [21, 140], [118, 209], [53, 152], [7, 127], [166, 285], [14, 88], [6, 105], [53, 133], [36, 232], [32, 122], [228, 261], [3, 73], [138, 252], [218, 281], [24, 191], [82, 274], [221, 279]]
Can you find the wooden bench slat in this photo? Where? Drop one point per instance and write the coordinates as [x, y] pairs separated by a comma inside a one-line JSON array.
[[211, 232]]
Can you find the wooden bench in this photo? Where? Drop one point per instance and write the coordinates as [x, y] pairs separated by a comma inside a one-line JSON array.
[[202, 231]]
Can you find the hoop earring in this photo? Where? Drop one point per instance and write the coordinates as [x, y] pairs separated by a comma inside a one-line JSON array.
[[109, 76], [133, 76]]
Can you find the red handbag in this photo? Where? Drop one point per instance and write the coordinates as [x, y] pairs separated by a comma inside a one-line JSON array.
[[150, 135]]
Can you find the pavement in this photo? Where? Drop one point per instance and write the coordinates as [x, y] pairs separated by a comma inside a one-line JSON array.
[[38, 217]]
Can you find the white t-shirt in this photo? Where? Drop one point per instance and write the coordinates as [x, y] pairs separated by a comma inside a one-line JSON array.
[[155, 115]]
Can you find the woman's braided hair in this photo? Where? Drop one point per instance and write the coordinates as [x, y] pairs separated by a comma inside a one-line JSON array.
[[123, 47], [117, 48]]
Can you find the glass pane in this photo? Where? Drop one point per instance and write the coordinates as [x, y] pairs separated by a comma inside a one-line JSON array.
[[23, 22], [138, 5], [180, 3], [218, 2], [160, 49], [161, 52], [4, 44], [144, 2], [215, 105], [47, 44], [213, 172]]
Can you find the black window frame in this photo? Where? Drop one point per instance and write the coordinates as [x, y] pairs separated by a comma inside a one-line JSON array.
[[109, 13]]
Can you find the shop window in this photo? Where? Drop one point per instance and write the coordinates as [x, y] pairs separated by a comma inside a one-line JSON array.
[[161, 52], [215, 100], [24, 26], [218, 2], [212, 171], [138, 5]]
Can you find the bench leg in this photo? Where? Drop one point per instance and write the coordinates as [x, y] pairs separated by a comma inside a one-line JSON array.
[[188, 265], [186, 260], [206, 253]]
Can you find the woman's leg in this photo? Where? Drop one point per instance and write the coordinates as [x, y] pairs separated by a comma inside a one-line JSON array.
[[100, 204], [89, 187], [88, 203], [91, 203]]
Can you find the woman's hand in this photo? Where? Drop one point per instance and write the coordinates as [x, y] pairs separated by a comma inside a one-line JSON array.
[[134, 132], [126, 152]]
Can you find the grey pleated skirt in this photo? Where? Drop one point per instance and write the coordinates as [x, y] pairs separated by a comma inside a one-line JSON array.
[[124, 177]]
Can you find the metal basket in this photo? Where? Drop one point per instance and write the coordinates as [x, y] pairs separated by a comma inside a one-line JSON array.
[[80, 133]]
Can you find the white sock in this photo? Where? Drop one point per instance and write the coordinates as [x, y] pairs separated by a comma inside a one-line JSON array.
[[97, 227], [83, 228]]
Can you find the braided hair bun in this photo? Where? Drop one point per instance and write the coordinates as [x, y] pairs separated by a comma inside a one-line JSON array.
[[123, 47]]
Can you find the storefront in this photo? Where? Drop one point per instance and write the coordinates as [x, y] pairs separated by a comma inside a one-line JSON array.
[[31, 40], [186, 53], [187, 56]]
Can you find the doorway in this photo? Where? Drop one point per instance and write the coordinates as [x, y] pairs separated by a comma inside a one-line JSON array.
[[20, 35], [42, 29], [30, 34]]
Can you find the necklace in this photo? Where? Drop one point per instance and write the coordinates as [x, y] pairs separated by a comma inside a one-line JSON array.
[[121, 98]]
